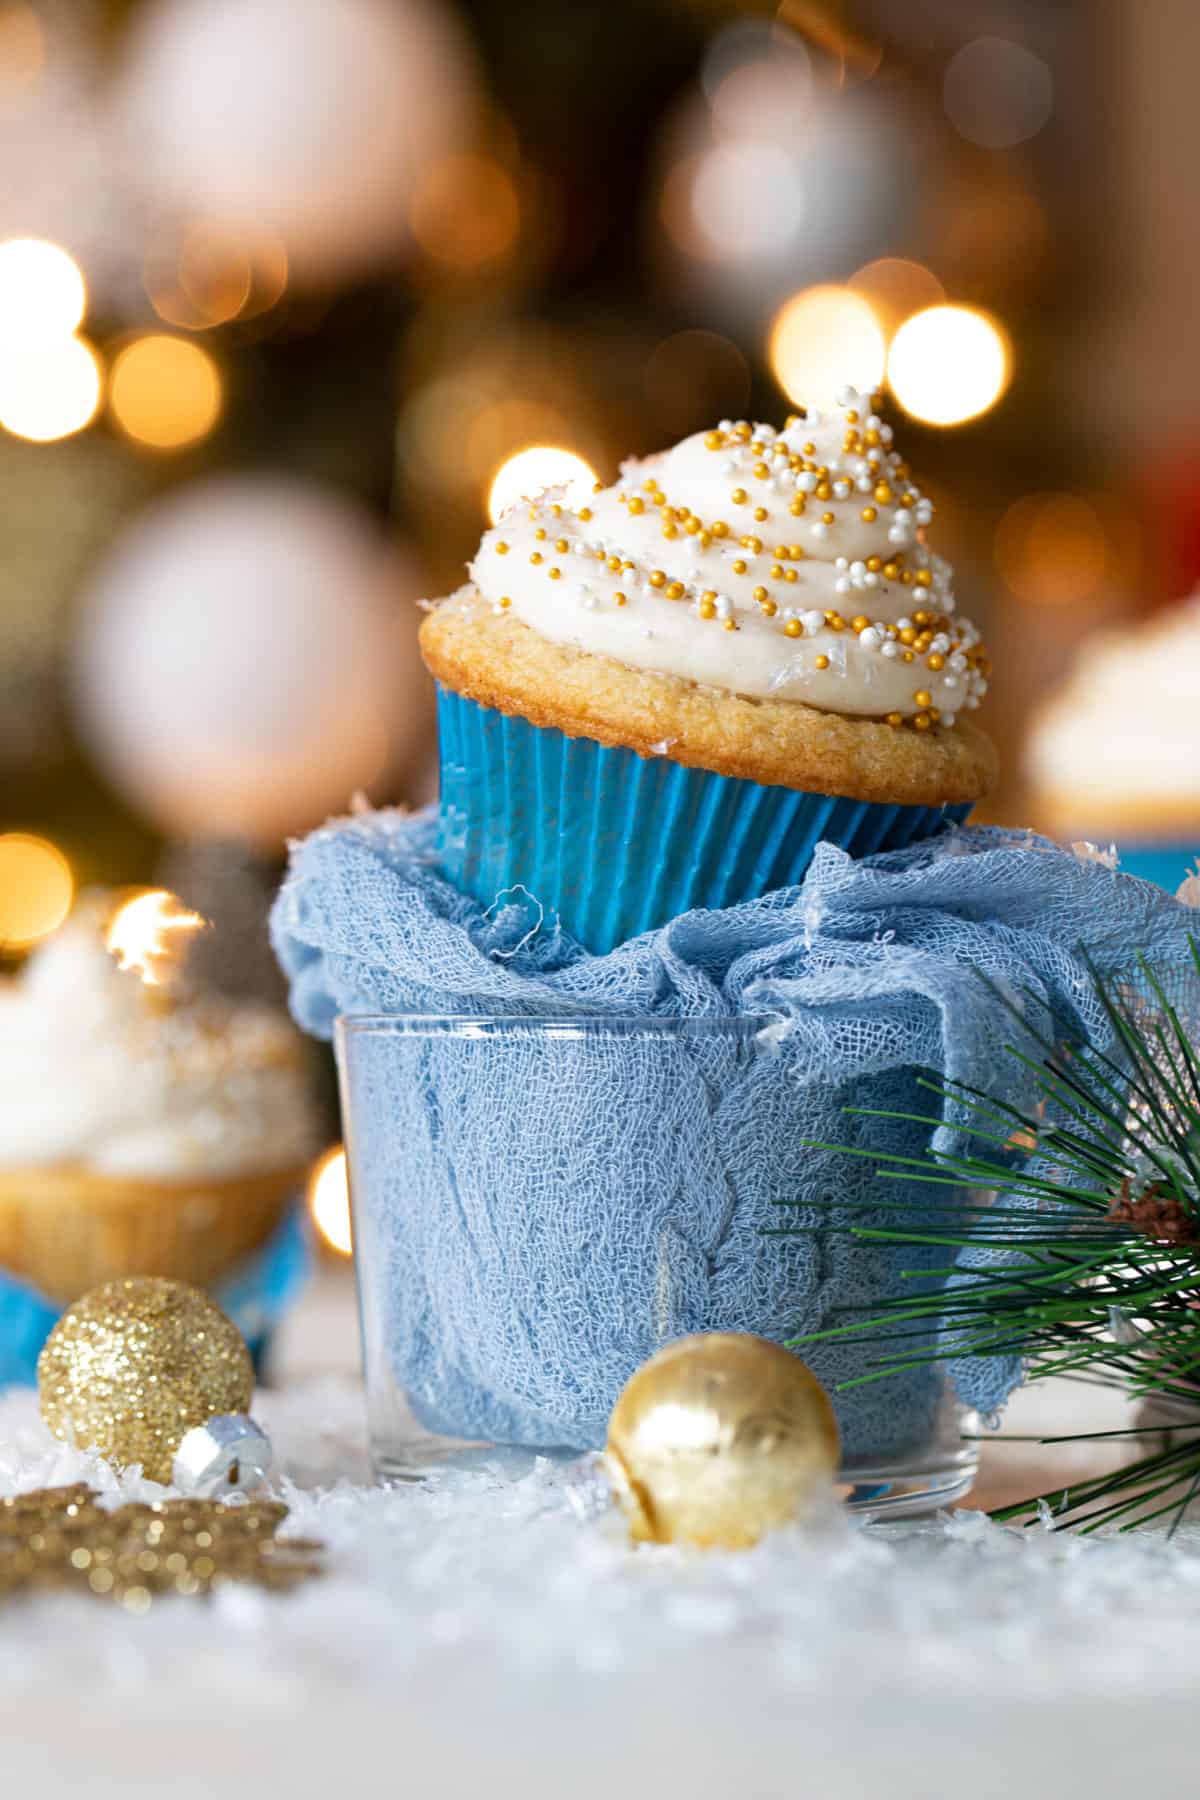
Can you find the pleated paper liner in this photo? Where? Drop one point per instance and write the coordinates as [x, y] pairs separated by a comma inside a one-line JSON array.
[[615, 844]]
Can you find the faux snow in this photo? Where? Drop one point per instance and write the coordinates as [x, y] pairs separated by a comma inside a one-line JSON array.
[[484, 1637]]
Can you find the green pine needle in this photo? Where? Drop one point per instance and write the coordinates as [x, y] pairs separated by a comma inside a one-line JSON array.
[[1093, 1227]]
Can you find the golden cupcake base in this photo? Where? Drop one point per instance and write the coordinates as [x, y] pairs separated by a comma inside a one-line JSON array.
[[498, 661], [65, 1228]]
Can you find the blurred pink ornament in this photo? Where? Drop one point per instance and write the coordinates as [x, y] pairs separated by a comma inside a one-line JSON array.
[[308, 120], [247, 659]]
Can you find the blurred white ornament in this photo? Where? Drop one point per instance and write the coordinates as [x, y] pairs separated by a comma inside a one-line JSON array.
[[247, 659], [304, 119]]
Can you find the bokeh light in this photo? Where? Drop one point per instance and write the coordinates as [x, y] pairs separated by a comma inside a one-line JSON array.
[[329, 1200], [896, 288], [1052, 549], [526, 474], [823, 338], [735, 200], [43, 295], [996, 93], [765, 97], [22, 48], [211, 276], [51, 392], [147, 933], [165, 392], [465, 212], [36, 889], [949, 364]]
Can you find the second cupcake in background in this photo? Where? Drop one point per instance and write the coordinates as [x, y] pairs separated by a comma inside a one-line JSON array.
[[146, 1128], [665, 698], [1127, 775]]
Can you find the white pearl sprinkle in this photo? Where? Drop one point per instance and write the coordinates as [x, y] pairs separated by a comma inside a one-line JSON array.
[[806, 481], [891, 648], [812, 622], [841, 585], [820, 529], [869, 639], [870, 579]]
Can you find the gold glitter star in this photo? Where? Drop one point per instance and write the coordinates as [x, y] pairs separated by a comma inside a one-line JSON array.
[[62, 1538]]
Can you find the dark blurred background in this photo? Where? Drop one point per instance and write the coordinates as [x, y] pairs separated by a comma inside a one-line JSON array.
[[285, 285]]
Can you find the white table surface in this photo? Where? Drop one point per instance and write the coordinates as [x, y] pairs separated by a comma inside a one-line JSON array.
[[483, 1639]]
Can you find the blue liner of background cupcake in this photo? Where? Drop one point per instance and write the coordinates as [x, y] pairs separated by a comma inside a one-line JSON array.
[[614, 843], [539, 1230], [255, 1296]]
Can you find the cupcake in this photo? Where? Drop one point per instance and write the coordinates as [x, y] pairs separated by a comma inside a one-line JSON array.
[[144, 1128], [1110, 773], [665, 698]]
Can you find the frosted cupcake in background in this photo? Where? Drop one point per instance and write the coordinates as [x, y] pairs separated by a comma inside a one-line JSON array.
[[144, 1128], [1114, 756], [666, 697]]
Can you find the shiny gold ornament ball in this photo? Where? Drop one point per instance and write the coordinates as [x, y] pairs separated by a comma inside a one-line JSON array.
[[134, 1365], [717, 1439]]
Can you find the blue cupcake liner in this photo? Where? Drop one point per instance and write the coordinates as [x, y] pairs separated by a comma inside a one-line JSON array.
[[614, 843], [1166, 865], [255, 1296]]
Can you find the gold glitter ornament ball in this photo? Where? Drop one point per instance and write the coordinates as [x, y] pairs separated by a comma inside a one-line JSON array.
[[134, 1365], [717, 1439]]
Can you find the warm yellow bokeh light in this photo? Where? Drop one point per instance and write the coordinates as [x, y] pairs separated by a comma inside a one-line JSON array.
[[51, 392], [896, 288], [1053, 549], [43, 295], [210, 276], [329, 1200], [823, 339], [165, 391], [36, 889], [465, 211], [948, 364], [22, 46], [145, 934], [525, 475]]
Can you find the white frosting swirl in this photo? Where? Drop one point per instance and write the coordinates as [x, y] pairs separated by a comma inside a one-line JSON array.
[[787, 565], [99, 1070]]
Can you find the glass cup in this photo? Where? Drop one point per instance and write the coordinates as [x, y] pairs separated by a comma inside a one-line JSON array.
[[539, 1204]]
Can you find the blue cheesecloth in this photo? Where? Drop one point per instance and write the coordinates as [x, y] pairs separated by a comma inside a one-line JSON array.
[[540, 1223]]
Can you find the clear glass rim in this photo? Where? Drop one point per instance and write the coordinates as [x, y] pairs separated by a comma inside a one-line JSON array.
[[552, 1025]]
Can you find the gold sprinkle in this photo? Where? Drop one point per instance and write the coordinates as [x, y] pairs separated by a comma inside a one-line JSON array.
[[561, 545], [922, 721], [740, 567], [752, 543], [760, 513], [776, 571], [869, 515], [874, 564], [731, 625], [792, 629], [895, 718], [936, 661], [585, 513], [715, 440], [760, 593], [906, 656], [636, 503], [505, 600], [769, 608], [501, 548], [540, 533], [675, 590], [657, 578], [555, 574], [797, 506], [739, 496], [535, 556], [760, 471], [619, 598], [822, 662], [614, 563], [790, 575], [883, 493], [719, 528], [859, 622], [827, 518]]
